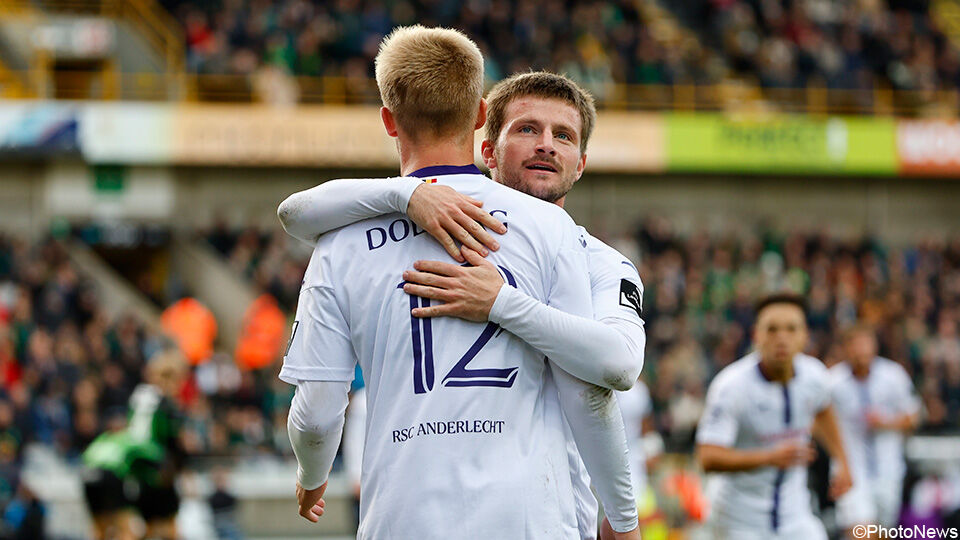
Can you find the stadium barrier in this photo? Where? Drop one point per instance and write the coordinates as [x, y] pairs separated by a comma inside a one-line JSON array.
[[336, 90], [351, 136]]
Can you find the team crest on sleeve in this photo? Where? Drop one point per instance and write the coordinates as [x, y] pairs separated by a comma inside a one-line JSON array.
[[630, 296]]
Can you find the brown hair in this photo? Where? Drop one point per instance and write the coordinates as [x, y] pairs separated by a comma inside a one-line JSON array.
[[860, 328], [541, 84], [431, 79], [781, 298]]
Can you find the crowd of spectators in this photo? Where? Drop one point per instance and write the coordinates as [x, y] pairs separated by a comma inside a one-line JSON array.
[[850, 45], [700, 290], [272, 261], [594, 42], [778, 43], [68, 371]]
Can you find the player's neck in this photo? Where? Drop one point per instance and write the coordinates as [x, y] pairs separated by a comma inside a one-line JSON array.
[[418, 155], [861, 373], [774, 373]]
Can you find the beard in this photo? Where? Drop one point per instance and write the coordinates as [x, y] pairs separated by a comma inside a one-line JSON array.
[[550, 192]]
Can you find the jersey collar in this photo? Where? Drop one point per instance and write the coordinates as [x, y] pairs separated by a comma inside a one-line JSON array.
[[442, 170], [764, 376]]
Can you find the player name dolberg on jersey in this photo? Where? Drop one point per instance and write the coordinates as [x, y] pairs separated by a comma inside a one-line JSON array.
[[450, 427], [401, 229]]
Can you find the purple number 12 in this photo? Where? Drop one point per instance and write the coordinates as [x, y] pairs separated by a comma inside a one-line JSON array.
[[421, 331]]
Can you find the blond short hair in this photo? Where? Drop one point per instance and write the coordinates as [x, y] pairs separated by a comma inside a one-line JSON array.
[[431, 79], [541, 84]]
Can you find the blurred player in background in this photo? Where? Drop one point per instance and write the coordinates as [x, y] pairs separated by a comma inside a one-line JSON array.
[[877, 407], [758, 419], [136, 467], [646, 445], [538, 127], [493, 481]]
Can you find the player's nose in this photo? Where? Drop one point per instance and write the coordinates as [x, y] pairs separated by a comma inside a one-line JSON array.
[[545, 143]]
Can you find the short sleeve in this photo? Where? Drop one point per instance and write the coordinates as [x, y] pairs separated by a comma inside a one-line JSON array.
[[907, 400], [823, 393], [615, 286], [319, 348], [719, 424]]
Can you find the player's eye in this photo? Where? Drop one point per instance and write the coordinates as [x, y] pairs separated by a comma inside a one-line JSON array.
[[526, 129], [564, 136]]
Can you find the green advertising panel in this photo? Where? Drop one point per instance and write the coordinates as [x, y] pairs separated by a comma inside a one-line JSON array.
[[708, 142]]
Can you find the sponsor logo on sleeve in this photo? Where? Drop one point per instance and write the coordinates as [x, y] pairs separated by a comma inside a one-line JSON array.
[[630, 296]]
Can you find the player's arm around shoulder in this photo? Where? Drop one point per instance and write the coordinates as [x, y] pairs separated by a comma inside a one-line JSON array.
[[307, 214], [441, 211], [617, 292], [591, 411]]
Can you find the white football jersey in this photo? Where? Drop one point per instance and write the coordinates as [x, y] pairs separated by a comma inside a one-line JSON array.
[[888, 391], [746, 411], [464, 434], [616, 291]]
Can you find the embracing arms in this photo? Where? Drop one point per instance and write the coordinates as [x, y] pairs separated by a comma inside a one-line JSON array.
[[607, 352]]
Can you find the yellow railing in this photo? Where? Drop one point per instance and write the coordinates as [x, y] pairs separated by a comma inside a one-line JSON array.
[[11, 86], [160, 31], [112, 84], [946, 13]]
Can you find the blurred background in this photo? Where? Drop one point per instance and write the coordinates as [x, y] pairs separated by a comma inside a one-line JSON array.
[[742, 147]]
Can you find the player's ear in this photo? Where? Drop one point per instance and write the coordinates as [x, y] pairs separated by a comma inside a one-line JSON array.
[[581, 165], [486, 152], [389, 122], [481, 115]]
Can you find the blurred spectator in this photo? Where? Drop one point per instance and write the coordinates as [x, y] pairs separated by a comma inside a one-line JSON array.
[[68, 371], [193, 327], [23, 517], [261, 339], [224, 507], [274, 262], [852, 45], [774, 43], [594, 42]]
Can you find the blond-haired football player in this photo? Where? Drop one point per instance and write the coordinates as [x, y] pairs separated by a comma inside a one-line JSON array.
[[549, 120], [877, 407], [465, 433]]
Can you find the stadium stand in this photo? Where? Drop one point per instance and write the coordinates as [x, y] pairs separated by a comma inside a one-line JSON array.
[[268, 258], [660, 70], [837, 45], [68, 371], [777, 45]]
